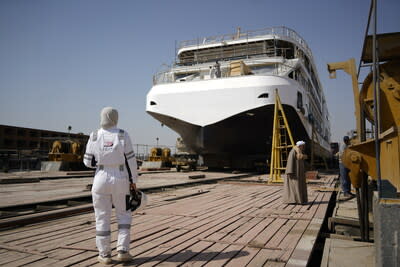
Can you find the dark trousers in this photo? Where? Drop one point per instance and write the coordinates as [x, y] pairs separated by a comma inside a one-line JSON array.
[[344, 178]]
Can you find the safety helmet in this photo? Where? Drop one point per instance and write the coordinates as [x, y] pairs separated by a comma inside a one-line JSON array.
[[137, 201]]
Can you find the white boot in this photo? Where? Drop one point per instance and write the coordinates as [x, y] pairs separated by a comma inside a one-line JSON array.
[[124, 256], [104, 259]]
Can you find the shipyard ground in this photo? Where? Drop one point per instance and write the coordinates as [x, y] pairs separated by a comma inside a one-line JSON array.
[[210, 219]]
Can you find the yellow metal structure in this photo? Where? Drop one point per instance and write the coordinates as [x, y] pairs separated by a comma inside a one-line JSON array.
[[360, 156], [68, 151], [282, 142], [349, 67], [161, 154]]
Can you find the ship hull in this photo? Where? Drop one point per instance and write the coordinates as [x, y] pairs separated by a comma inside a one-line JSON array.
[[240, 141], [229, 121]]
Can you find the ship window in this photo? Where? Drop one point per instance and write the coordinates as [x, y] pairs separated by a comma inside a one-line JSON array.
[[152, 103], [291, 75], [299, 100], [265, 95]]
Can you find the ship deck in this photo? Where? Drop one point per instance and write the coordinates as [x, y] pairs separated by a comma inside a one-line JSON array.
[[231, 223]]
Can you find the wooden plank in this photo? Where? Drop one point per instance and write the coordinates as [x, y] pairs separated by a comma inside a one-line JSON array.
[[141, 247], [11, 256], [206, 256], [252, 233], [302, 252], [313, 207], [76, 258], [322, 209], [339, 252], [243, 258], [265, 255], [62, 253], [272, 263], [51, 235], [263, 237], [177, 255], [290, 241], [202, 231], [232, 251], [25, 261], [78, 238], [325, 256], [176, 244], [148, 242], [21, 250], [43, 262], [168, 234], [275, 240], [43, 228], [244, 228], [233, 208]]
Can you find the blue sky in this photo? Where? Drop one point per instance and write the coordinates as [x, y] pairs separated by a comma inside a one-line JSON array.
[[62, 61]]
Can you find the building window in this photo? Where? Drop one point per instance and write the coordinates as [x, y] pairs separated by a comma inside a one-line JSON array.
[[21, 143], [9, 131], [9, 143], [33, 144], [21, 132]]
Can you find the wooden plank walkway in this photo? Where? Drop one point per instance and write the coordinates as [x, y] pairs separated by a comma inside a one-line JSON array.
[[207, 225], [45, 190]]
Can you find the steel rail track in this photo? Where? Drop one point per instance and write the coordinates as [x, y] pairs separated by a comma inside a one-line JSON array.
[[23, 214]]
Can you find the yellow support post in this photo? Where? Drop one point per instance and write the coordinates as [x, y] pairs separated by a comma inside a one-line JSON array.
[[280, 147]]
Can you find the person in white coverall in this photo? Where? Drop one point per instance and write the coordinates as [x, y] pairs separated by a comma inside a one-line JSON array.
[[110, 151]]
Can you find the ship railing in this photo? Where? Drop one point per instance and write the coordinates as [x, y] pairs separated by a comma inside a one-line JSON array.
[[280, 30], [238, 53], [201, 72]]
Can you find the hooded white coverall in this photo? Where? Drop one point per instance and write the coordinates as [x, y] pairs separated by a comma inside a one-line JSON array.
[[109, 147]]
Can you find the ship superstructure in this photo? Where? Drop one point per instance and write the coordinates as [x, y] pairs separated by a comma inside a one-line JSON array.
[[219, 95]]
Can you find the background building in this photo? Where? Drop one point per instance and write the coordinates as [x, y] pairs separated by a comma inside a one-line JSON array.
[[24, 148]]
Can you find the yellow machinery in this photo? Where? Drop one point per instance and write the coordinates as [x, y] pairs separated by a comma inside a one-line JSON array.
[[360, 157], [68, 151], [282, 142], [185, 158], [379, 156], [161, 154], [187, 162], [65, 155]]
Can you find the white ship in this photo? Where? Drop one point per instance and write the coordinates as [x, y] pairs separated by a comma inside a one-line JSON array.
[[225, 113]]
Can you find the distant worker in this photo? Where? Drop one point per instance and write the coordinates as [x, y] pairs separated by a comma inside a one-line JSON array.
[[110, 151], [295, 186], [212, 72], [344, 172], [217, 68]]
